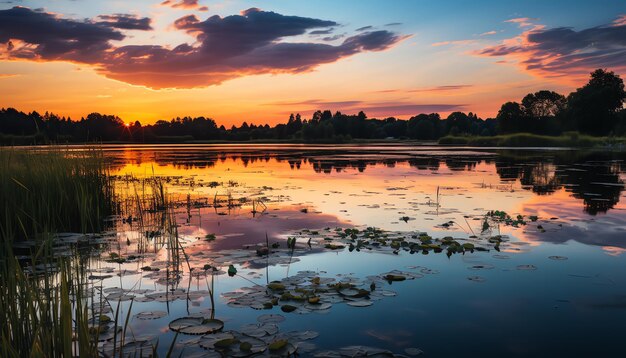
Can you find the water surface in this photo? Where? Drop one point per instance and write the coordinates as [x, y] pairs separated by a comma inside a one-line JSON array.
[[556, 287]]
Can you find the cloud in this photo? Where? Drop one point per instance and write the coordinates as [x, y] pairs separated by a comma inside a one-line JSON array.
[[453, 43], [620, 21], [380, 109], [322, 32], [184, 4], [7, 75], [564, 52], [253, 42], [317, 103], [364, 28], [125, 21], [334, 37], [522, 21], [393, 24], [446, 88], [402, 109], [488, 33], [437, 89], [42, 36]]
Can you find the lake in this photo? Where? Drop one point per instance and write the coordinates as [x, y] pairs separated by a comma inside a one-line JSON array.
[[399, 249]]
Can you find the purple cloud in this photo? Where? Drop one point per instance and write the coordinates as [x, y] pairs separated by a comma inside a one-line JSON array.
[[253, 42], [322, 32], [45, 36], [125, 21], [381, 109], [563, 51], [184, 4]]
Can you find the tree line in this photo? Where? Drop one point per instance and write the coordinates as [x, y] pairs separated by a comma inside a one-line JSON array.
[[597, 108]]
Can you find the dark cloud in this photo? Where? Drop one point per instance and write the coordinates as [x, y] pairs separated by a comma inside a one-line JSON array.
[[393, 24], [125, 21], [238, 34], [565, 51], [226, 48], [322, 32], [184, 4], [49, 37], [333, 38], [364, 28]]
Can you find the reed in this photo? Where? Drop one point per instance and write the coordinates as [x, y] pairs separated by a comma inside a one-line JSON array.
[[48, 305], [44, 299], [52, 191]]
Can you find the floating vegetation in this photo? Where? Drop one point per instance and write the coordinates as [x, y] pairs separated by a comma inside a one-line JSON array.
[[373, 239], [151, 315], [196, 325], [161, 255], [254, 339], [308, 292]]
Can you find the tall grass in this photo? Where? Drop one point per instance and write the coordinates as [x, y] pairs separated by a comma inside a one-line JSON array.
[[45, 314], [44, 300], [48, 305], [53, 191]]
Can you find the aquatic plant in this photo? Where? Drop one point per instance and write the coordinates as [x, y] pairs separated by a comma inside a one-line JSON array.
[[44, 292], [52, 191]]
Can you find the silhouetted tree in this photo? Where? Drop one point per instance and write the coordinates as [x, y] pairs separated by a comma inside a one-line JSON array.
[[543, 104], [593, 108]]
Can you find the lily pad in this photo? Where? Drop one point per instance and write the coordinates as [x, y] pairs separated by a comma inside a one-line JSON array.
[[277, 345], [361, 303], [271, 318], [151, 315], [196, 325]]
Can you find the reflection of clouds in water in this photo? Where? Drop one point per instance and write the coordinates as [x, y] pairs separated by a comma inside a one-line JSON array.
[[613, 250], [591, 177], [251, 231], [608, 231]]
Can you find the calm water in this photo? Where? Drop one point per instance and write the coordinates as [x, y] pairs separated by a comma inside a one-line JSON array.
[[556, 287]]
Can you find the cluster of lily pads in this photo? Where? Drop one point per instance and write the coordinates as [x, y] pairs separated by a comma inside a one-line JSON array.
[[308, 291], [303, 293], [261, 339], [373, 239]]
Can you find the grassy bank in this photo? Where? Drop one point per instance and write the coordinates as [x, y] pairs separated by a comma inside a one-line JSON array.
[[534, 140], [50, 305], [45, 192], [44, 299]]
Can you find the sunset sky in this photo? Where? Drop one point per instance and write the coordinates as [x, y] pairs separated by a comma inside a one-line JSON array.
[[258, 61]]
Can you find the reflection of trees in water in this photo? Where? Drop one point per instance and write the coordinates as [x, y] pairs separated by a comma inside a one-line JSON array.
[[590, 177], [598, 185], [425, 163], [541, 177], [593, 178], [462, 164]]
